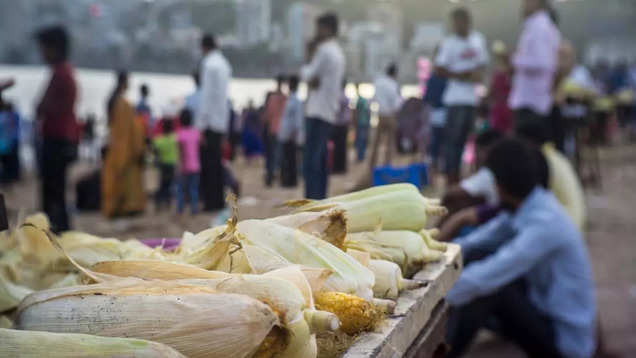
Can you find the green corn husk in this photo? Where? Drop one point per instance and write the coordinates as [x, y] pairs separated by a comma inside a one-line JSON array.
[[34, 344], [391, 207]]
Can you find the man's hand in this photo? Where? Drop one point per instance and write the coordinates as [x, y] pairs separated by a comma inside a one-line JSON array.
[[464, 217]]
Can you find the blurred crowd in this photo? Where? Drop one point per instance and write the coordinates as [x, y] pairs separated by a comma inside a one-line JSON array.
[[513, 157]]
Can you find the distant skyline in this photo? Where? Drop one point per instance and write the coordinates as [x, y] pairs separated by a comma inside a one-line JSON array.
[[263, 37]]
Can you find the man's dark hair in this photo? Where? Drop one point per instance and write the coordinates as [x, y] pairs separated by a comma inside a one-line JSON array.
[[461, 13], [185, 117], [534, 132], [280, 79], [144, 90], [293, 82], [514, 167], [208, 41], [167, 126], [391, 70], [488, 138], [56, 38], [329, 20]]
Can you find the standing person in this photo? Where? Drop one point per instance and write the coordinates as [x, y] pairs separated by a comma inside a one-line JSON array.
[[324, 74], [339, 134], [461, 58], [122, 177], [9, 143], [143, 109], [290, 135], [528, 267], [58, 125], [389, 100], [165, 144], [535, 65], [435, 88], [189, 139], [363, 125], [235, 131], [272, 114], [251, 140], [501, 116], [213, 121]]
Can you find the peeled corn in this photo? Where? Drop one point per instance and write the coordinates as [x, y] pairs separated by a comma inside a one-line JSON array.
[[34, 344], [356, 314], [196, 321]]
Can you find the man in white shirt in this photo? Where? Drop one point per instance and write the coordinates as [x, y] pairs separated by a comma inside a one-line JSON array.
[[389, 100], [213, 120], [324, 74], [461, 58]]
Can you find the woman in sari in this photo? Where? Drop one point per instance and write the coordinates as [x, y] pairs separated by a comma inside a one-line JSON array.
[[122, 178]]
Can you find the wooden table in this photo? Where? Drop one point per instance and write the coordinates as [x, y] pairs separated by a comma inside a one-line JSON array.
[[418, 326]]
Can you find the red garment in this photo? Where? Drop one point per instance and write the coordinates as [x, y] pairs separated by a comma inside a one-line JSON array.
[[57, 107], [501, 117], [274, 108]]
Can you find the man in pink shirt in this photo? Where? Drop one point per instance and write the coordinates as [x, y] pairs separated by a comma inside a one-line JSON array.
[[189, 139], [535, 64]]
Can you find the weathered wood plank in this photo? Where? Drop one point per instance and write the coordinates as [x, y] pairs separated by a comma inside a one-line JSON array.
[[394, 337]]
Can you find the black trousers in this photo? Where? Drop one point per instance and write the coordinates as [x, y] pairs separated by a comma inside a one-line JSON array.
[[339, 138], [166, 181], [211, 185], [517, 319], [289, 165], [10, 165], [56, 156]]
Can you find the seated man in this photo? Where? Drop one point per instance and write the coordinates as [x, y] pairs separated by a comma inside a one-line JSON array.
[[527, 267]]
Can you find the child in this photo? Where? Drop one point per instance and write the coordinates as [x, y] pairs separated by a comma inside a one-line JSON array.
[[189, 138], [290, 135], [165, 145]]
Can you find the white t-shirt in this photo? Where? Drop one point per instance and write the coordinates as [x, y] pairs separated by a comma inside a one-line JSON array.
[[328, 65], [482, 183], [459, 54], [387, 95]]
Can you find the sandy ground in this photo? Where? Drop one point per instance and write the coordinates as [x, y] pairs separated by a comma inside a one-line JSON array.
[[609, 234]]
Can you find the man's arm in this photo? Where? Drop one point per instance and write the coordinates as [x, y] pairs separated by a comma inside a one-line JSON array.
[[311, 71], [513, 260]]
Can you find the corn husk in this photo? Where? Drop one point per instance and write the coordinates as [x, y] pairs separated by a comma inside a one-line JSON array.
[[347, 275], [33, 344], [11, 294], [330, 225], [197, 321], [391, 207], [389, 281], [429, 239]]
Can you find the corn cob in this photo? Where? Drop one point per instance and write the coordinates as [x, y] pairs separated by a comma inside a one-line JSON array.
[[300, 248], [431, 243], [399, 207], [356, 314], [33, 344], [330, 225], [197, 321], [405, 248], [389, 281]]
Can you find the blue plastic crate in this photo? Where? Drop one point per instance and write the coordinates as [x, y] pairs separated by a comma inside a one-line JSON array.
[[416, 174]]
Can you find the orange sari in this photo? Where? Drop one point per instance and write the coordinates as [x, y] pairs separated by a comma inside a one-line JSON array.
[[122, 175]]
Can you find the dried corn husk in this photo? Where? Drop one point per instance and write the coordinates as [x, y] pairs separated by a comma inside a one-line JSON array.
[[197, 321], [27, 344]]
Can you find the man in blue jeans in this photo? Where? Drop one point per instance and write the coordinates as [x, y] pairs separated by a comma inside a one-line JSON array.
[[324, 75], [528, 269], [461, 58]]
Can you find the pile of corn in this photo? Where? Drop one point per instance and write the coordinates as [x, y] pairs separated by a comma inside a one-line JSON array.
[[252, 288]]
